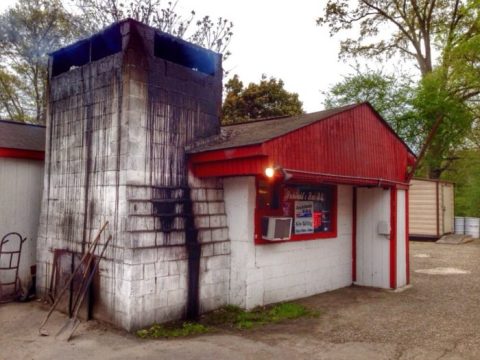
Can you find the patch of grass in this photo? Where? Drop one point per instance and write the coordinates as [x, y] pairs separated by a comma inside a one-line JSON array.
[[229, 316], [235, 317], [172, 330]]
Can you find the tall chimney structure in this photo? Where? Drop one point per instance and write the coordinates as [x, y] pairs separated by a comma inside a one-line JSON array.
[[122, 106]]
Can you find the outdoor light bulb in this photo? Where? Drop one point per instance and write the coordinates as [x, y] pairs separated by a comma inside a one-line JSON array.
[[269, 172]]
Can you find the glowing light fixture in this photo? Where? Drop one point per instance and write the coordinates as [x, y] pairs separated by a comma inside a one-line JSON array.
[[269, 172]]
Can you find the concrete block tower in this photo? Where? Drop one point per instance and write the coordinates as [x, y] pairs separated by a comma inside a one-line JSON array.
[[122, 106]]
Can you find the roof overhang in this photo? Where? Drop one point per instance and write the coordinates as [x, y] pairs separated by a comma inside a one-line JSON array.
[[22, 154], [246, 160], [245, 151]]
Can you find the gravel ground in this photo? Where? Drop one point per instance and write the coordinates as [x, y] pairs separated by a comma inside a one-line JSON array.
[[437, 318]]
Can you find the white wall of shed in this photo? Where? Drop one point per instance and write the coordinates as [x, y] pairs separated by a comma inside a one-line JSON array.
[[423, 208], [21, 184], [264, 274], [373, 250]]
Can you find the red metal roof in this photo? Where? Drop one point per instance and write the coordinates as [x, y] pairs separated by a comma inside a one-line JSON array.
[[259, 131], [351, 145]]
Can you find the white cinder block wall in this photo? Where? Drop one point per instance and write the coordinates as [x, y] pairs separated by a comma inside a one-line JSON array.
[[263, 274], [211, 222]]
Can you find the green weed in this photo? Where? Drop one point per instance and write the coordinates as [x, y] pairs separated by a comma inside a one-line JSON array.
[[235, 317], [172, 330], [229, 316]]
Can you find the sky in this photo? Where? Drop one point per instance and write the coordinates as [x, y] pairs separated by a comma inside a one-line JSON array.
[[277, 38]]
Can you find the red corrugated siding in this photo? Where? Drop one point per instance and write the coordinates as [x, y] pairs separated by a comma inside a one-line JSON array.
[[353, 143]]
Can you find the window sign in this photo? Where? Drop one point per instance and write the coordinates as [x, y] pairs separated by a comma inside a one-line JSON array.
[[303, 217], [312, 207]]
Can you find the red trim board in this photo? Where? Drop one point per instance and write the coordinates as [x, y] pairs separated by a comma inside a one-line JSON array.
[[354, 235], [407, 236], [21, 154]]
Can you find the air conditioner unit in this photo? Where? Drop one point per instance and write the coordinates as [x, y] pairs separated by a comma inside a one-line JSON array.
[[276, 228]]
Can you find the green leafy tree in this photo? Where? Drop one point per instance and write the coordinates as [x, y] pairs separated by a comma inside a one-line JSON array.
[[391, 96], [418, 30], [465, 172], [266, 99], [33, 28], [435, 102], [28, 32], [414, 29]]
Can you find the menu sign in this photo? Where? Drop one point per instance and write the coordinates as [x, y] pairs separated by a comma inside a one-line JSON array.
[[303, 217], [310, 206]]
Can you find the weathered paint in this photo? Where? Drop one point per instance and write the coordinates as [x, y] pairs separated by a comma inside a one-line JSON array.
[[21, 183], [118, 127], [355, 146]]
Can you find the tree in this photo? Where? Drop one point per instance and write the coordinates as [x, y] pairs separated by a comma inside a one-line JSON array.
[[414, 28], [28, 32], [435, 102], [33, 28], [418, 29], [465, 172], [211, 34], [392, 97], [266, 99]]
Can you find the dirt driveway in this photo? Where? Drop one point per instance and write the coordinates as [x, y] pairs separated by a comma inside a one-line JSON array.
[[438, 318]]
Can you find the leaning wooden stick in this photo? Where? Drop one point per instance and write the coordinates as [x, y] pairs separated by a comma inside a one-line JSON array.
[[92, 246], [68, 329]]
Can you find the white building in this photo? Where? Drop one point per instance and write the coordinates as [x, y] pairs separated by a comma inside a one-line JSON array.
[[22, 149]]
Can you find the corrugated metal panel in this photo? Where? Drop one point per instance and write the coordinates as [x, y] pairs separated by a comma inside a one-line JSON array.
[[352, 143], [423, 208], [355, 143]]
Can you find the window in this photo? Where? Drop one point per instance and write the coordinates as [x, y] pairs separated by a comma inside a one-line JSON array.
[[312, 209]]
